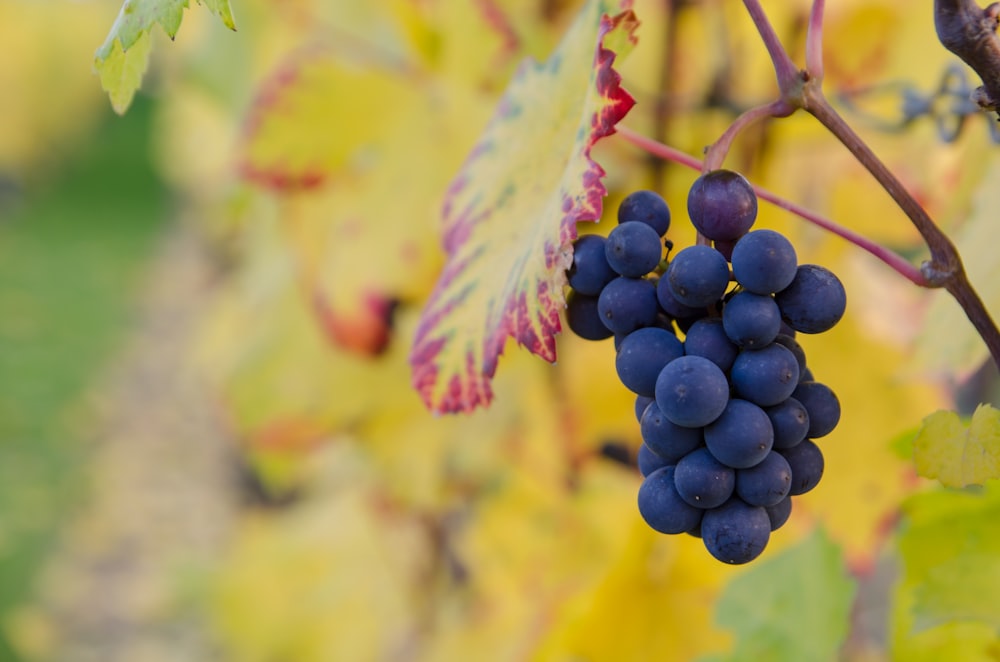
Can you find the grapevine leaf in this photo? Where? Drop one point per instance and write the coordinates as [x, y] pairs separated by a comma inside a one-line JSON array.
[[317, 116], [945, 604], [957, 455], [406, 136], [122, 59], [121, 71], [793, 606], [510, 214]]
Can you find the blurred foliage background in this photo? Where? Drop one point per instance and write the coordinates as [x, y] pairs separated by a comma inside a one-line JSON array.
[[209, 448]]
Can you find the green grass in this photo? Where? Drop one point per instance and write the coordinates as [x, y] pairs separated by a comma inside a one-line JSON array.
[[71, 256]]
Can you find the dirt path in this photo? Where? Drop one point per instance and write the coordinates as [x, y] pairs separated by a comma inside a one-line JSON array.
[[164, 492]]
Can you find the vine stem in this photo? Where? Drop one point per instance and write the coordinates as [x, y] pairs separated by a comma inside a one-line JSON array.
[[895, 261], [802, 89], [814, 40], [784, 68], [945, 268], [716, 153]]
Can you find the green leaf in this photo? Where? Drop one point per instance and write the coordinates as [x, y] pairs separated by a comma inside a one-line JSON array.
[[121, 72], [795, 606], [510, 215], [122, 59], [945, 605], [957, 455]]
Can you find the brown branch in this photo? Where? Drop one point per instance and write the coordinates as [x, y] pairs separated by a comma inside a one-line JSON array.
[[970, 32]]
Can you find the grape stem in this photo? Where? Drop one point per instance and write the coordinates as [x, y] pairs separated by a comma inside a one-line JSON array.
[[802, 89], [814, 40], [716, 153], [896, 262]]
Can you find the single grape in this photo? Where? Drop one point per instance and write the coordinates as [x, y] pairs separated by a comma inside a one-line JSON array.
[[583, 317], [627, 304], [643, 354], [703, 481], [795, 348], [823, 407], [765, 377], [691, 391], [648, 461], [806, 462], [722, 205], [641, 402], [764, 262], [671, 306], [790, 421], [736, 532], [646, 207], [814, 302], [633, 249], [707, 338], [751, 320], [590, 271], [779, 513], [666, 439], [765, 484], [662, 507], [698, 276], [742, 436]]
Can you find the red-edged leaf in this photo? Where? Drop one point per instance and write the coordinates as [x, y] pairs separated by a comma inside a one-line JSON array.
[[510, 215]]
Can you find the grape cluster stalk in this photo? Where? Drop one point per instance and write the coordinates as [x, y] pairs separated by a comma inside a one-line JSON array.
[[727, 406]]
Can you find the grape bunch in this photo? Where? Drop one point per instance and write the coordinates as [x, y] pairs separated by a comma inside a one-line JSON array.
[[728, 415]]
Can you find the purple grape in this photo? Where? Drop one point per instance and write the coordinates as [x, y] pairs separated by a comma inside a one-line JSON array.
[[736, 532], [795, 348], [722, 205], [691, 391], [790, 421], [707, 338], [641, 402], [751, 320], [779, 513], [765, 484], [590, 271], [671, 306], [645, 207], [633, 249], [666, 439], [742, 436], [806, 462], [648, 461], [764, 262], [698, 276], [662, 507], [703, 481], [823, 407], [642, 355], [583, 317], [815, 300], [627, 304], [765, 377]]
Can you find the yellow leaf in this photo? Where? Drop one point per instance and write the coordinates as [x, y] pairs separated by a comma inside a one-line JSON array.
[[957, 455], [510, 215]]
